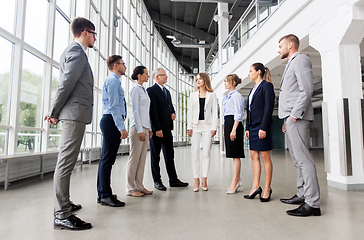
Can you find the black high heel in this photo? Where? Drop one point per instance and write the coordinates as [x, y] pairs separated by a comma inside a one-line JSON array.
[[256, 192], [266, 199]]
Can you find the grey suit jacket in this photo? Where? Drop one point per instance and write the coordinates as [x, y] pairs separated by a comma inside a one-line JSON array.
[[74, 97], [296, 89]]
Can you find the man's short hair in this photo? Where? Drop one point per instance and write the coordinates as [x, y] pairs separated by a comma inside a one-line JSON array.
[[156, 72], [79, 24], [112, 60], [291, 38]]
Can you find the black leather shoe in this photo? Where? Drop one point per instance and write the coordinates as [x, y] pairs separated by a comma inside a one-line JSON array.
[[99, 198], [160, 186], [112, 201], [256, 192], [178, 183], [293, 200], [75, 207], [266, 199], [304, 211], [71, 223]]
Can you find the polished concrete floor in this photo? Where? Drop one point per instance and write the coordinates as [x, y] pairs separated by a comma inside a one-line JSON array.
[[26, 209]]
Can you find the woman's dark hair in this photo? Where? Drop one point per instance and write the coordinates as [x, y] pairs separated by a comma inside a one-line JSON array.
[[264, 71], [137, 70]]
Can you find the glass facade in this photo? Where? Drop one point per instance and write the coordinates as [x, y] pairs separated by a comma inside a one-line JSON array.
[[29, 66]]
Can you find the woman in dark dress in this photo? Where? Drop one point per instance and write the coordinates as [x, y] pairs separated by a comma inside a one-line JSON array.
[[260, 104], [233, 105]]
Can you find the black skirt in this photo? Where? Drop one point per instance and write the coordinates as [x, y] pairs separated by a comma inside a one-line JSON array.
[[233, 149], [256, 144]]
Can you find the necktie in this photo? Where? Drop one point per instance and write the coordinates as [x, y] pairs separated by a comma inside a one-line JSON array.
[[165, 92]]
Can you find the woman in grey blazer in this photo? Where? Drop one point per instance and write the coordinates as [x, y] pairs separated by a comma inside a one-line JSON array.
[[140, 133], [201, 126]]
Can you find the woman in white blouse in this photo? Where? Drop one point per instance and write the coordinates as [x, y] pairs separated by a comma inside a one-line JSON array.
[[201, 126], [140, 132]]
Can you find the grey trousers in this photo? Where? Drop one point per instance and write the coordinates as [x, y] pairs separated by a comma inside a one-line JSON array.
[[72, 134], [307, 183], [136, 164]]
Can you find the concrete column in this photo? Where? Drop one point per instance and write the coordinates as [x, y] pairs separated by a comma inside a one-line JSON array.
[[223, 27], [342, 96], [201, 59]]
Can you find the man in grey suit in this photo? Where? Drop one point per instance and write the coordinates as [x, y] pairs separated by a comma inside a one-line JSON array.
[[295, 107], [73, 106]]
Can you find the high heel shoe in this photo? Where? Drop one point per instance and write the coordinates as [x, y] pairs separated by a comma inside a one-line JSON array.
[[256, 192], [204, 188], [197, 189], [238, 188], [268, 198]]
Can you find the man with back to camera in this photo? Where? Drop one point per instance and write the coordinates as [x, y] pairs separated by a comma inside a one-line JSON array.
[[72, 106], [113, 129], [295, 107], [162, 115]]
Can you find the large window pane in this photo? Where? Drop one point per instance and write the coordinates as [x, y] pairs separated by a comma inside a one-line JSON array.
[[126, 32], [54, 140], [28, 141], [7, 15], [65, 6], [2, 141], [61, 36], [55, 83], [36, 24], [5, 76], [31, 91], [103, 39], [81, 8]]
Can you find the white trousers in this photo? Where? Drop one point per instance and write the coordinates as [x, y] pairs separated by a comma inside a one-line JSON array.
[[136, 163], [201, 137]]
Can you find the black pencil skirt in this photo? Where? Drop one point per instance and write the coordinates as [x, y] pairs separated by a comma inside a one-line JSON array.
[[233, 149]]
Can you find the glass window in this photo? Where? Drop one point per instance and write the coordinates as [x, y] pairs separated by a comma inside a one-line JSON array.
[[132, 42], [88, 142], [105, 10], [28, 141], [7, 15], [5, 77], [133, 19], [126, 30], [55, 83], [2, 141], [102, 72], [36, 24], [64, 5], [54, 140], [61, 36], [103, 39], [31, 91], [81, 8], [126, 9]]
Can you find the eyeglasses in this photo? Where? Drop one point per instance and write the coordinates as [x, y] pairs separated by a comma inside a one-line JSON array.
[[95, 34], [121, 63]]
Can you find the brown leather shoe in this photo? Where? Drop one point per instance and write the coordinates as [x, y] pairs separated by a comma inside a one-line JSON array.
[[136, 194], [146, 192]]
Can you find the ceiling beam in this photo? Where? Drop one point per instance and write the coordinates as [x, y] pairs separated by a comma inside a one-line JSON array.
[[181, 27]]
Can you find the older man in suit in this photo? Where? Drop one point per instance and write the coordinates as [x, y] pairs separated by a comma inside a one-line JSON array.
[[295, 107], [162, 115], [73, 106]]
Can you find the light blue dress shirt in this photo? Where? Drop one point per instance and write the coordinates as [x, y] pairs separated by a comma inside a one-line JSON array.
[[140, 103], [233, 104], [113, 99]]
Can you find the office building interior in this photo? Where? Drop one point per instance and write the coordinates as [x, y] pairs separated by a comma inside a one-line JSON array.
[[184, 37]]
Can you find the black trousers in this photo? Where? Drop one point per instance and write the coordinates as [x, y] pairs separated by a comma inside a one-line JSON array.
[[110, 145], [166, 144]]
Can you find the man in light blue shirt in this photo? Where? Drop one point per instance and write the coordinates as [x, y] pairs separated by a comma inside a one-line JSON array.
[[113, 129]]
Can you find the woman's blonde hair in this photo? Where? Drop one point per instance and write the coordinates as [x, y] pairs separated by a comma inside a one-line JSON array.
[[207, 81], [233, 79]]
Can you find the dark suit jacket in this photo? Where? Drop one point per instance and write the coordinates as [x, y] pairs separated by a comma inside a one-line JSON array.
[[262, 106], [160, 109]]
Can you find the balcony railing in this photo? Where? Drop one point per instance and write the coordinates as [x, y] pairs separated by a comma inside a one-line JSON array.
[[252, 19]]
